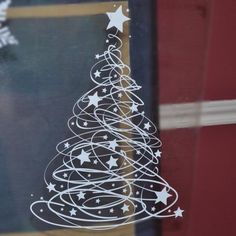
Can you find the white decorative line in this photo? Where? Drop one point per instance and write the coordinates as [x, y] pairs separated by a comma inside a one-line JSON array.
[[106, 174]]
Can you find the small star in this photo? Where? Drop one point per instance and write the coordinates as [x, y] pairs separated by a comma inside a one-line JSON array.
[[72, 123], [66, 145], [135, 175], [61, 186], [85, 123], [147, 126], [134, 108], [84, 157], [89, 175], [113, 144], [94, 100], [113, 185], [158, 153], [125, 208], [120, 95], [153, 208], [124, 190], [62, 209], [138, 152], [162, 196], [112, 162], [51, 187], [97, 56], [31, 195], [178, 213], [81, 195], [41, 198], [117, 19], [137, 193], [107, 41], [95, 162], [41, 210], [115, 76], [73, 212], [97, 74], [130, 36], [127, 10], [99, 212], [143, 113], [98, 201], [65, 175], [111, 210], [105, 137], [151, 186], [115, 109], [104, 90]]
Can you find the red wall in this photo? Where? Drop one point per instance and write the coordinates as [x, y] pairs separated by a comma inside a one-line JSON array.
[[213, 203], [198, 62]]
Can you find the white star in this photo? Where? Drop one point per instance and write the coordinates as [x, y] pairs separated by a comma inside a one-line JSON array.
[[111, 210], [73, 212], [125, 208], [98, 201], [104, 90], [84, 157], [134, 108], [94, 100], [153, 208], [81, 195], [117, 19], [112, 162], [62, 186], [158, 153], [65, 175], [147, 126], [113, 144], [107, 41], [85, 123], [162, 196], [97, 74], [137, 193], [97, 56], [178, 213], [124, 190], [138, 152], [51, 187], [115, 109], [120, 95], [66, 145], [105, 137]]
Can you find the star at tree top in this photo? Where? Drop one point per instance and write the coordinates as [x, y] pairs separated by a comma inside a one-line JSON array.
[[117, 19]]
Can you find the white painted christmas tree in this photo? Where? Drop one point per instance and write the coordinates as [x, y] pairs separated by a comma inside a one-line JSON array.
[[105, 175], [6, 37]]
